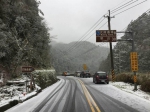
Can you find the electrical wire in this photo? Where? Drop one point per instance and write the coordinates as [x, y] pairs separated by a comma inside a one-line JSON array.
[[130, 7], [115, 10], [145, 13], [85, 35], [88, 37], [117, 5], [123, 6], [92, 28]]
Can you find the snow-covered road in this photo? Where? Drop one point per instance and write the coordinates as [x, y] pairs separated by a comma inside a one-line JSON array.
[[123, 92], [120, 91]]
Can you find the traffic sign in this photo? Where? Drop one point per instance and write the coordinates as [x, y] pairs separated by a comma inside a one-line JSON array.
[[105, 35], [84, 67], [27, 69], [134, 61]]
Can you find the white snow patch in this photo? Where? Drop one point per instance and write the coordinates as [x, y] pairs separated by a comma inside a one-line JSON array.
[[32, 103], [129, 88]]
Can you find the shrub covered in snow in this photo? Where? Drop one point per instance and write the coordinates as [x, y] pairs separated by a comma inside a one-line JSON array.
[[45, 79]]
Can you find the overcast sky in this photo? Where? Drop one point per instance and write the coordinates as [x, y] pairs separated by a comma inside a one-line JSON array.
[[71, 19]]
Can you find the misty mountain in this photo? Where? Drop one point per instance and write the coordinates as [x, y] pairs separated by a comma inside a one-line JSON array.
[[72, 56]]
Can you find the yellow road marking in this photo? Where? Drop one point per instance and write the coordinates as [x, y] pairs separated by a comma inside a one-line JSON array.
[[97, 108], [92, 108], [89, 98]]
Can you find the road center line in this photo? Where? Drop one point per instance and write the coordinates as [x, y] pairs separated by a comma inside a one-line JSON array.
[[89, 98]]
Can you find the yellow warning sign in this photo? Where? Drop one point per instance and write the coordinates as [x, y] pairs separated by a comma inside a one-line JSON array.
[[134, 61], [84, 67]]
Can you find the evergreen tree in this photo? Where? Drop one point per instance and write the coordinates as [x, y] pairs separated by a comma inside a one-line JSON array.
[[24, 35]]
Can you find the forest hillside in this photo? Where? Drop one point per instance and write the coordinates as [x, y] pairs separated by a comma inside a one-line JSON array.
[[72, 56]]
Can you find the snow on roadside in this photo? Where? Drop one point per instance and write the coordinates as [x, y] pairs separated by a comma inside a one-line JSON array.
[[31, 104], [139, 100], [15, 92], [129, 88]]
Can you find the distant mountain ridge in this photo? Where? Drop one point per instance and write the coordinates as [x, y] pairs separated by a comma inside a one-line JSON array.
[[73, 55]]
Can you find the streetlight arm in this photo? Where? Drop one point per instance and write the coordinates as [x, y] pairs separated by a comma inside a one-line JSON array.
[[124, 39]]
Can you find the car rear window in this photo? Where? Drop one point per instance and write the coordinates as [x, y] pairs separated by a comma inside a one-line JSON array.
[[101, 74]]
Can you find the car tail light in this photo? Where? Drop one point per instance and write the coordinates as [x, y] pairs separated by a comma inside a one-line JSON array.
[[97, 76], [107, 77]]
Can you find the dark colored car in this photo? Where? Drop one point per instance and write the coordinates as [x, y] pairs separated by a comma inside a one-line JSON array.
[[87, 74], [82, 74], [100, 77]]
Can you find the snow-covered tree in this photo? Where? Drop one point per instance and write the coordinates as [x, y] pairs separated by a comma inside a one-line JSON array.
[[24, 36]]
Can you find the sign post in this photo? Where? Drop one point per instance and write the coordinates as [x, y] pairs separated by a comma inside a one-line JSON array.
[[28, 69], [133, 56]]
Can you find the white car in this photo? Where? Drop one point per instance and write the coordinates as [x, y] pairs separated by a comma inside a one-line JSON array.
[[77, 74]]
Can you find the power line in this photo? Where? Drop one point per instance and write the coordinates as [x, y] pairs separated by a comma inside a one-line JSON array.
[[115, 10], [123, 6], [143, 15], [89, 36], [94, 32], [118, 4], [130, 7], [98, 28], [86, 34]]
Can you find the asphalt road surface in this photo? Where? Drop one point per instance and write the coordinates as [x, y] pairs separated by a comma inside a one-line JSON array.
[[75, 95]]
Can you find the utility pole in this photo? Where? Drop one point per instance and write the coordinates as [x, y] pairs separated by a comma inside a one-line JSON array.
[[134, 60], [134, 72], [119, 56], [111, 52]]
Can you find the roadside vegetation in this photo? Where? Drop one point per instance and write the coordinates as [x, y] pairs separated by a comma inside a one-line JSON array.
[[24, 41], [24, 36], [45, 79], [142, 79]]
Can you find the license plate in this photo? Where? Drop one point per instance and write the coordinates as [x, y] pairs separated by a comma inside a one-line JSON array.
[[102, 80]]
